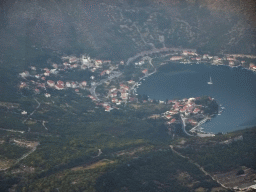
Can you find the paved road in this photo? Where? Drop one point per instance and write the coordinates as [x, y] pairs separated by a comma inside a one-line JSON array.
[[200, 167], [200, 123], [93, 88], [155, 51], [184, 125], [33, 111]]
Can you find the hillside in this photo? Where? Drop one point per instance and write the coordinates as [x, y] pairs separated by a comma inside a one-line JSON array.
[[118, 29]]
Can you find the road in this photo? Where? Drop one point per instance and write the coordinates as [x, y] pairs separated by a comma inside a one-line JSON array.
[[23, 157], [93, 88], [184, 125], [33, 111], [11, 130], [141, 54], [196, 164], [200, 123]]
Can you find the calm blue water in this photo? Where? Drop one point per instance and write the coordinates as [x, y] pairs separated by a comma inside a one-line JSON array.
[[233, 88]]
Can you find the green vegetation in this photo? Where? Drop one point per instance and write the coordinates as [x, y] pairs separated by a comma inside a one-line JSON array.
[[216, 155], [11, 151]]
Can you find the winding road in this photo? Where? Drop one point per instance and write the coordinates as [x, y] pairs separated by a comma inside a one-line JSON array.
[[200, 167], [94, 86]]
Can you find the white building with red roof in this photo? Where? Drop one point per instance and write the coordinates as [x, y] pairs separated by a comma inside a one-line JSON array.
[[22, 85], [59, 87], [55, 66], [83, 83], [114, 100], [145, 71], [37, 76], [176, 58], [47, 73], [231, 63], [171, 122], [73, 85], [72, 59], [68, 84], [37, 91], [24, 74], [60, 83], [51, 83], [196, 111], [47, 95]]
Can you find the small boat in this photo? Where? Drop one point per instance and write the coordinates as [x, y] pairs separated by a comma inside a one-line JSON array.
[[210, 82]]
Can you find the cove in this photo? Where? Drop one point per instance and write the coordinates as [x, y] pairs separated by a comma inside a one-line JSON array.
[[233, 88]]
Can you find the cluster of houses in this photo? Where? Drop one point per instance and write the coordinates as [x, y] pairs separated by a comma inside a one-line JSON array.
[[231, 60], [187, 107], [40, 82], [43, 80], [117, 94]]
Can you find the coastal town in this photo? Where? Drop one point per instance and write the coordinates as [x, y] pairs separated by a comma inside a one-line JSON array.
[[107, 84]]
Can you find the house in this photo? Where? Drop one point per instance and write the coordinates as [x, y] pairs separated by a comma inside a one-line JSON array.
[[74, 66], [103, 73], [60, 83], [83, 66], [43, 78], [231, 63], [121, 62], [47, 73], [47, 95], [171, 122], [114, 100], [42, 85], [168, 116], [68, 84], [176, 58], [107, 61], [92, 77], [77, 90], [51, 83], [73, 85], [251, 65], [107, 72], [113, 89], [205, 56], [37, 76], [24, 113], [33, 68], [131, 82], [22, 85], [98, 62], [84, 83], [185, 52], [37, 91], [53, 71], [230, 58], [24, 74], [145, 71], [72, 59], [55, 66], [59, 87], [108, 108]]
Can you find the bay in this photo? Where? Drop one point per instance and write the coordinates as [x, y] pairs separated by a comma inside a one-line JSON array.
[[233, 88]]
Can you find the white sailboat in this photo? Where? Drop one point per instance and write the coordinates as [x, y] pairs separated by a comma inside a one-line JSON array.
[[210, 82]]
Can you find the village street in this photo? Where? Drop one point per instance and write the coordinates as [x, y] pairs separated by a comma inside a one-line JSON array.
[[94, 85]]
